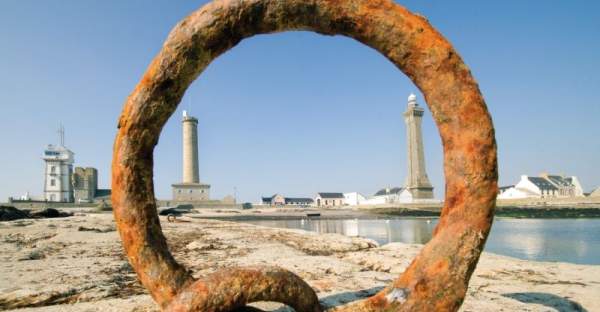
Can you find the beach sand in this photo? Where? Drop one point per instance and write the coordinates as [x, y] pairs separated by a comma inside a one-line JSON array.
[[77, 264]]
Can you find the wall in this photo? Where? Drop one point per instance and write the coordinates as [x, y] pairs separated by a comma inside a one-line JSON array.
[[192, 192], [202, 204], [329, 202]]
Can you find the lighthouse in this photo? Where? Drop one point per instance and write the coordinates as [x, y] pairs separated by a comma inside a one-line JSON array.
[[59, 168], [417, 182], [191, 172], [190, 189]]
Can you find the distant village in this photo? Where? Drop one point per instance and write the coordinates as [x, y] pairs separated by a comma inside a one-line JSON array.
[[545, 186], [79, 185]]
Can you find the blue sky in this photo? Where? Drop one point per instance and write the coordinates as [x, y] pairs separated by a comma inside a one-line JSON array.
[[296, 113]]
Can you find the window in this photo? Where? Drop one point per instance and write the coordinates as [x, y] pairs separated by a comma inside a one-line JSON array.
[[52, 182], [191, 191], [53, 169]]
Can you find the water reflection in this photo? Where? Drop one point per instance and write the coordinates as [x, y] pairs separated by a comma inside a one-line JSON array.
[[567, 240]]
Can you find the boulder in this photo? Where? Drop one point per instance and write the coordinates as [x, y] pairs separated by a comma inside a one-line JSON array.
[[177, 211], [9, 213], [49, 213]]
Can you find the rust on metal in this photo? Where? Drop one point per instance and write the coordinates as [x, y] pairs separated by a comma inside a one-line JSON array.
[[438, 277]]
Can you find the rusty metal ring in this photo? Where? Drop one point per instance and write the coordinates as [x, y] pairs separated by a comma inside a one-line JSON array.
[[171, 218], [437, 278]]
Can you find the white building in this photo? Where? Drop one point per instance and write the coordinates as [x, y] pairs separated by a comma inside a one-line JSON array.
[[59, 168], [385, 196], [280, 200], [391, 195], [544, 186], [354, 199]]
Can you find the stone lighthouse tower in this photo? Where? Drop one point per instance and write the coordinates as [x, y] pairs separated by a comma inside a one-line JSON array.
[[417, 182], [190, 189], [191, 172]]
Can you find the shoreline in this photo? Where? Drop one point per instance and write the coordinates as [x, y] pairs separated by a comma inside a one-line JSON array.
[[77, 263], [508, 212], [381, 213], [563, 208]]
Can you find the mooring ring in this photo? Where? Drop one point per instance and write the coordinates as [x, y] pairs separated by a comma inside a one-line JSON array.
[[438, 277]]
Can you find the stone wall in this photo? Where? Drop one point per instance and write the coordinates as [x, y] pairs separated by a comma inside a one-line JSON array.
[[42, 205], [199, 204], [573, 202]]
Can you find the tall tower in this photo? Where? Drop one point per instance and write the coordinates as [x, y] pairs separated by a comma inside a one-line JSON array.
[[190, 189], [59, 168], [417, 182], [190, 149]]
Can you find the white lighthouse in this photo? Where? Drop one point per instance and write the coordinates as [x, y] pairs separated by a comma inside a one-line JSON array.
[[59, 169]]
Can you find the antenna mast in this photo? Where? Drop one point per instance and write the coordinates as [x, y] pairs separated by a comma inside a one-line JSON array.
[[61, 133]]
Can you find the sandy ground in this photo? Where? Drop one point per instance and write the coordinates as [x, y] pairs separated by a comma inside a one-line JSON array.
[[77, 264]]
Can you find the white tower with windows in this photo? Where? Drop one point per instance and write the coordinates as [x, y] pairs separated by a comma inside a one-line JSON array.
[[59, 169]]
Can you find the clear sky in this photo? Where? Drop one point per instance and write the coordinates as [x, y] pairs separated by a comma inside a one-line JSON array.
[[296, 113]]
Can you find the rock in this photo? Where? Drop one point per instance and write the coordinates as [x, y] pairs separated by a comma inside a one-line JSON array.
[[105, 229], [45, 213], [176, 211], [32, 255], [49, 213], [103, 206], [8, 213], [169, 211], [63, 269], [198, 245]]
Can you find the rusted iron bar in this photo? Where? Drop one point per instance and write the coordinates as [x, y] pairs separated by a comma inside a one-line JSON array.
[[438, 277], [232, 289]]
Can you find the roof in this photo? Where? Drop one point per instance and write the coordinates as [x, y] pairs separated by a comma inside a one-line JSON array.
[[542, 183], [560, 181], [596, 192], [504, 188], [267, 199], [288, 199], [298, 200], [331, 195], [389, 191]]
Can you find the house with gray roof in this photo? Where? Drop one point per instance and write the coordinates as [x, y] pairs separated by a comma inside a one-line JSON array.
[[543, 186], [390, 195], [328, 199], [280, 200], [567, 186], [389, 191], [387, 195]]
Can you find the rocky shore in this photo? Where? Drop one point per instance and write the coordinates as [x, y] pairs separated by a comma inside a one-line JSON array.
[[77, 264]]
